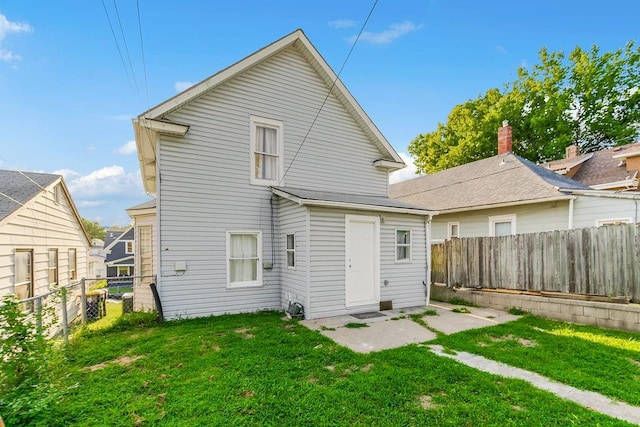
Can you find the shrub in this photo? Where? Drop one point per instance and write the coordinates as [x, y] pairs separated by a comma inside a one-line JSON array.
[[26, 389]]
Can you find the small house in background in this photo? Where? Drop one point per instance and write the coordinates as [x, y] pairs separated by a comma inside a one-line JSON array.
[[146, 253], [613, 169], [271, 188], [43, 244], [97, 268], [506, 194], [119, 250]]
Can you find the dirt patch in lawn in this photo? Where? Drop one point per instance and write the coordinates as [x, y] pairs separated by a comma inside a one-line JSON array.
[[522, 341], [122, 361], [427, 402], [244, 332]]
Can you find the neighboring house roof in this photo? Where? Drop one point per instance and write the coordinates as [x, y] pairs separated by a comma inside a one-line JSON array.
[[501, 180], [147, 207], [17, 188], [352, 201], [115, 248], [121, 261], [606, 166], [153, 122], [563, 166]]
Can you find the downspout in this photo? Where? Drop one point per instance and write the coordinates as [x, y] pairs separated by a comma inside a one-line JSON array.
[[570, 227], [427, 239]]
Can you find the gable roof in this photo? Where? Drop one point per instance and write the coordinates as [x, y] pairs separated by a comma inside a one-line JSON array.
[[606, 166], [153, 121], [501, 180], [563, 166], [17, 188], [349, 201], [114, 236]]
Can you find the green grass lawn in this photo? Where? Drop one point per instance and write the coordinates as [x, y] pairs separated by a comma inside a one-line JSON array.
[[258, 369], [601, 360]]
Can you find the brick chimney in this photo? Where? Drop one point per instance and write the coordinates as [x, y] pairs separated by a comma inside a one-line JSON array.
[[572, 151], [505, 138]]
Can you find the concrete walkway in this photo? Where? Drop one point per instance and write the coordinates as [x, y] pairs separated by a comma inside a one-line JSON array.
[[588, 399]]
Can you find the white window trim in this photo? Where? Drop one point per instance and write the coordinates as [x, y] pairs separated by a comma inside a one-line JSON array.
[[449, 225], [253, 284], [126, 245], [287, 250], [501, 218], [609, 221], [255, 121], [410, 245]]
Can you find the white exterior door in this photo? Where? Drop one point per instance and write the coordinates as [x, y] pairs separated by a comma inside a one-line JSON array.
[[362, 261]]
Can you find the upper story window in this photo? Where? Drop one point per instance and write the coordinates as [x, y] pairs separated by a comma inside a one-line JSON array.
[[266, 151], [128, 246]]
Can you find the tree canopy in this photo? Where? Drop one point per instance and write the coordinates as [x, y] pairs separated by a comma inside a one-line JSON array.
[[94, 229], [588, 98]]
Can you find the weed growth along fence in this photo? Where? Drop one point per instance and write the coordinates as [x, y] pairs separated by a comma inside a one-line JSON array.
[[599, 260]]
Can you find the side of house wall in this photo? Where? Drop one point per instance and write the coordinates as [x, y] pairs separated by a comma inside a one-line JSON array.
[[589, 210], [400, 282], [531, 218], [294, 220], [205, 188], [40, 225]]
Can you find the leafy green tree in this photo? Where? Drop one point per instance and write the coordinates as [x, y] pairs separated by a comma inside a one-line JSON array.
[[95, 230], [589, 98]]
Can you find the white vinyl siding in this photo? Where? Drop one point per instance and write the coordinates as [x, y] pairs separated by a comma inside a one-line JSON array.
[[587, 211], [294, 220], [37, 226], [205, 187]]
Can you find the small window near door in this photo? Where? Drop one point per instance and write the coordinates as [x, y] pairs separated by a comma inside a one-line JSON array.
[[453, 230], [403, 245], [502, 225], [291, 250], [73, 274]]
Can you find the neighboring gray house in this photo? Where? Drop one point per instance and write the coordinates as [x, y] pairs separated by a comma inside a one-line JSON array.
[[506, 194], [119, 250], [43, 244], [271, 187]]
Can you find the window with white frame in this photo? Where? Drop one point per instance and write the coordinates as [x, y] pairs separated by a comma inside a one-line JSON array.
[[453, 230], [23, 264], [403, 245], [502, 225], [266, 151], [612, 221], [128, 246], [291, 250], [124, 271], [244, 259], [53, 267], [73, 261]]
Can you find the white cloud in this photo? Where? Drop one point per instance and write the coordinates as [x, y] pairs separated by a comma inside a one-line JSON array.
[[394, 32], [342, 23], [91, 203], [406, 173], [181, 86], [8, 27], [128, 148], [66, 173], [502, 49], [110, 180]]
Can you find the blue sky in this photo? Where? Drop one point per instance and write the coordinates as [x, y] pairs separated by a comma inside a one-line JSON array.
[[66, 101]]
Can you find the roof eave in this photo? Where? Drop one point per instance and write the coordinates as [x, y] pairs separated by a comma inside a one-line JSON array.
[[506, 204]]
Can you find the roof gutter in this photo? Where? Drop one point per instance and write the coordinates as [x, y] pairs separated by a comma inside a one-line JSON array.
[[505, 204], [605, 193], [354, 206]]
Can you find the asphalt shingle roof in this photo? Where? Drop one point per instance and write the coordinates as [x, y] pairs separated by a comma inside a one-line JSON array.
[[602, 168], [17, 188], [501, 179]]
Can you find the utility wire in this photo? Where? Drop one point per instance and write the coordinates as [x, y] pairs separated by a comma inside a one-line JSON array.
[[375, 3], [126, 48], [144, 63], [115, 39]]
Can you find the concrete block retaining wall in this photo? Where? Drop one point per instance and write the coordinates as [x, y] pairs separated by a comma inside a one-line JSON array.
[[602, 314]]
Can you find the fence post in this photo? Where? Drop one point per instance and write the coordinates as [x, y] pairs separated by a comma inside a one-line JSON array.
[[83, 301], [65, 319], [38, 303]]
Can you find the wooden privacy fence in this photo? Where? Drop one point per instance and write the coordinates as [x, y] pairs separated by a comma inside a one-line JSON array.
[[600, 260]]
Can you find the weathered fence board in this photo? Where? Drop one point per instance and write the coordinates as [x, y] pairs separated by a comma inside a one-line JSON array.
[[599, 260]]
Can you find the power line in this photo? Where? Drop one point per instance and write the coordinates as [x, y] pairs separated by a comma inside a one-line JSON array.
[[375, 3], [126, 47], [115, 39], [144, 63]]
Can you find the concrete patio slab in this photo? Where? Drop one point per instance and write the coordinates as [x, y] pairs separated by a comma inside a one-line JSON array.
[[394, 328]]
